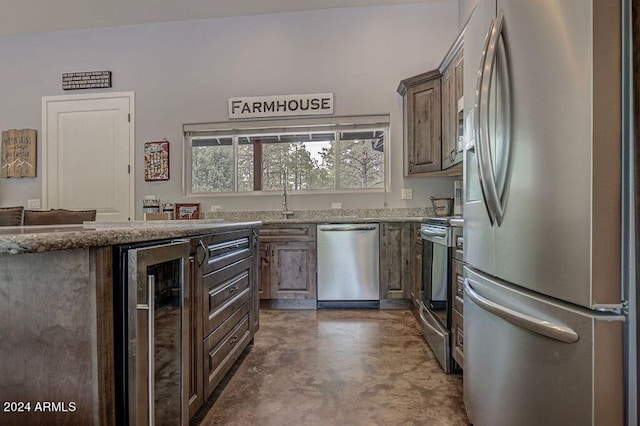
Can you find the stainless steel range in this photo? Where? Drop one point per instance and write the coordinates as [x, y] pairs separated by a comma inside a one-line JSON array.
[[435, 309]]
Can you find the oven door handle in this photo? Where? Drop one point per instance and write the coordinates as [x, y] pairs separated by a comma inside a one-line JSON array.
[[433, 234], [427, 323]]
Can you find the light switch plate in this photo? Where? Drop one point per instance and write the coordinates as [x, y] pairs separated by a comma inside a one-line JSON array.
[[33, 204], [406, 194]]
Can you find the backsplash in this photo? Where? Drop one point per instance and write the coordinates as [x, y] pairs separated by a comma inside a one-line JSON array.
[[241, 216]]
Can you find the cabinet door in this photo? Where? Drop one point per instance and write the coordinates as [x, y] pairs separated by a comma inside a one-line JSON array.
[[416, 270], [458, 110], [394, 261], [293, 270], [449, 104], [452, 113], [423, 127], [265, 270], [255, 284]]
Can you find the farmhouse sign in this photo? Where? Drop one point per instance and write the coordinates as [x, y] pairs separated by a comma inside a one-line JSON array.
[[281, 105], [86, 80]]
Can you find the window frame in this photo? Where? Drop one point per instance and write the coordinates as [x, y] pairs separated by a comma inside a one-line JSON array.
[[234, 129]]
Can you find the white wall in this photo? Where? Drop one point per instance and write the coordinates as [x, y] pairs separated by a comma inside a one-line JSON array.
[[183, 72], [465, 7]]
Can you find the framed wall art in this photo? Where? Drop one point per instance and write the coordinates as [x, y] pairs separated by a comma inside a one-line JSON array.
[[186, 211], [18, 153], [156, 161]]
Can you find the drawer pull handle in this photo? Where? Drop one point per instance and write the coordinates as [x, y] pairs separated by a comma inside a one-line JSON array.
[[233, 289], [233, 340]]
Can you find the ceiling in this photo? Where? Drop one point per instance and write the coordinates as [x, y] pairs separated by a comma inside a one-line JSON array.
[[28, 16]]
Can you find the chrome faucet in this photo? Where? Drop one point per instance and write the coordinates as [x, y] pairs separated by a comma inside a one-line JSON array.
[[285, 210]]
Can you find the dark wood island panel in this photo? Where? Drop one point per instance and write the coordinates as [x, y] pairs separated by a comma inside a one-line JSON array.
[[56, 338]]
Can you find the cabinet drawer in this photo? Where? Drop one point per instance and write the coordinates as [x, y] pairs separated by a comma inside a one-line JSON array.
[[293, 232], [224, 346], [225, 291], [224, 249], [458, 338]]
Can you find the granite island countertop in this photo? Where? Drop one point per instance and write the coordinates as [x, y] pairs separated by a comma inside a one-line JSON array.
[[38, 239]]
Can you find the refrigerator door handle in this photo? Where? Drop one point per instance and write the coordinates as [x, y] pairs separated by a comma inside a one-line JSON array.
[[539, 326], [492, 194], [481, 156]]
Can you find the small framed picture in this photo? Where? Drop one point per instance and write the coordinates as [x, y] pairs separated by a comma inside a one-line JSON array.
[[187, 211], [156, 161]]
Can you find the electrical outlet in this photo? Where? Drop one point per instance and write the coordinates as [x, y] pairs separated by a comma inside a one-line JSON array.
[[406, 194], [33, 204], [216, 208], [336, 205]]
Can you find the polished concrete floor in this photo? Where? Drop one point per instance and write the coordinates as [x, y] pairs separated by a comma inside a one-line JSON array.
[[337, 367]]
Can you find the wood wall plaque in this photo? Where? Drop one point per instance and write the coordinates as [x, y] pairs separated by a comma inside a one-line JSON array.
[[18, 154], [86, 80]]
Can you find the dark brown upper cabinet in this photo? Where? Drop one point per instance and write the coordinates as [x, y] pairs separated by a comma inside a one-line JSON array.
[[422, 123], [432, 121], [452, 106]]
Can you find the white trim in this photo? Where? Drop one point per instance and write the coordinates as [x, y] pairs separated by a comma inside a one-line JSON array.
[[290, 192], [46, 100], [373, 119]]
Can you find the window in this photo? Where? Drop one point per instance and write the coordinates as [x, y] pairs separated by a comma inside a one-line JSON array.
[[264, 156]]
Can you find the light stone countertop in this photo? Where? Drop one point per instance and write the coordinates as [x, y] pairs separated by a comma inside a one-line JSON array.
[[411, 214], [37, 239], [345, 219]]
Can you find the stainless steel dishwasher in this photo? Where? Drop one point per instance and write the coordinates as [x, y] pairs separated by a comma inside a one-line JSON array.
[[348, 265]]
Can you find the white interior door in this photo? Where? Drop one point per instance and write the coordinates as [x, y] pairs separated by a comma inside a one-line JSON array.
[[87, 147]]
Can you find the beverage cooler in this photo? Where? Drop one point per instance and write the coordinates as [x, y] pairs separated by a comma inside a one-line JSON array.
[[151, 332]]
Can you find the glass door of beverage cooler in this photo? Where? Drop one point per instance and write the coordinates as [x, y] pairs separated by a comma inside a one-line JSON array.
[[157, 332]]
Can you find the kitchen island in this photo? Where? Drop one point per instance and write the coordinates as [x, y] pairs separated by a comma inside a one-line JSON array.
[[57, 319]]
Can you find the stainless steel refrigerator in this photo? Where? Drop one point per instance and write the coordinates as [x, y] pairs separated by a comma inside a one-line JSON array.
[[546, 313]]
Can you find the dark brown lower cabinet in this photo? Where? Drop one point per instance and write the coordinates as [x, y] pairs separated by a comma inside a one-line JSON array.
[[264, 249], [293, 270], [416, 267], [288, 263], [224, 303], [395, 269]]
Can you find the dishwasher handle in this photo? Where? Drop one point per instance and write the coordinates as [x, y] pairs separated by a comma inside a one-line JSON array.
[[349, 228]]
